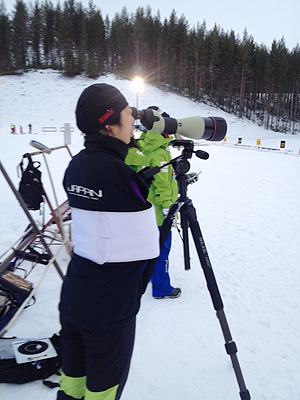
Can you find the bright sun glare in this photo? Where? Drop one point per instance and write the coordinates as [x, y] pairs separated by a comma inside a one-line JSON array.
[[137, 84]]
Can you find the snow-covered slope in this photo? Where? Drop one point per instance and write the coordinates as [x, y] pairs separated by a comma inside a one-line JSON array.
[[247, 203]]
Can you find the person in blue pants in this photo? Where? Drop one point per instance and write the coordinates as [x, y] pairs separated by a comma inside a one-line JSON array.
[[152, 150]]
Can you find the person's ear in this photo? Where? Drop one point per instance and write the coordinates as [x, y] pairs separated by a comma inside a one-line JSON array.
[[109, 129]]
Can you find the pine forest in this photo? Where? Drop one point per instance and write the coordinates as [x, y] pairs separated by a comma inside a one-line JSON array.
[[212, 66]]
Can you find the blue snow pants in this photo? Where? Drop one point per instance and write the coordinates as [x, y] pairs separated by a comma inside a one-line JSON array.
[[160, 278]]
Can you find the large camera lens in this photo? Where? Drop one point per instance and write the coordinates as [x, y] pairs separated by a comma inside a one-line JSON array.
[[210, 128], [215, 129]]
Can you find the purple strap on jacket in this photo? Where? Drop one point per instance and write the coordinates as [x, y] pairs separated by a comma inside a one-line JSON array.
[[136, 190]]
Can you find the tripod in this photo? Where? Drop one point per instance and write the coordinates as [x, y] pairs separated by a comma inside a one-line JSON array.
[[188, 219]]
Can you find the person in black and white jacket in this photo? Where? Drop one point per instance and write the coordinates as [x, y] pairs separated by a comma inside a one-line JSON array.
[[115, 233]]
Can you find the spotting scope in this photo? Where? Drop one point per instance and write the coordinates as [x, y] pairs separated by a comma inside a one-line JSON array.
[[209, 128]]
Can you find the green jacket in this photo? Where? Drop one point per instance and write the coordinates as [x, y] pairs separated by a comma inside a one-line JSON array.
[[153, 151]]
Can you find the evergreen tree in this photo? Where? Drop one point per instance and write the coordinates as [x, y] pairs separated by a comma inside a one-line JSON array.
[[20, 35], [163, 62], [106, 39], [198, 54], [138, 39], [155, 50], [36, 33], [67, 38], [5, 40], [59, 38], [277, 83], [214, 60], [246, 53], [227, 80], [146, 34], [170, 50], [95, 42], [121, 43], [182, 43], [260, 82], [294, 81], [49, 34]]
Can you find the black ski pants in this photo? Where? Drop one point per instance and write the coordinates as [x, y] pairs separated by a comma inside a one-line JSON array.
[[99, 359]]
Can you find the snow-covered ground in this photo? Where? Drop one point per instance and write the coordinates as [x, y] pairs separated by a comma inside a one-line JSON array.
[[247, 202]]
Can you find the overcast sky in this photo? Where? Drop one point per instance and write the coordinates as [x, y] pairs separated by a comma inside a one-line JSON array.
[[265, 20]]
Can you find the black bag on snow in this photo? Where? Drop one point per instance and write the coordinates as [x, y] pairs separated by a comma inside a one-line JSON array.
[[9, 305], [31, 188], [13, 292], [11, 372]]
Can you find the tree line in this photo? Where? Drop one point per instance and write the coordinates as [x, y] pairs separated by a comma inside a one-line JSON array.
[[213, 66]]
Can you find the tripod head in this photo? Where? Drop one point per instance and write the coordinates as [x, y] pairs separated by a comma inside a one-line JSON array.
[[180, 164]]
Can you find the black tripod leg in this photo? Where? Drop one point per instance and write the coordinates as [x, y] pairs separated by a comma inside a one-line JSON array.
[[185, 237], [212, 286]]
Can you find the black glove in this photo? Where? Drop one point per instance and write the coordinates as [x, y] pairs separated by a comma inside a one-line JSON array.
[[192, 177], [163, 113], [144, 178], [147, 174]]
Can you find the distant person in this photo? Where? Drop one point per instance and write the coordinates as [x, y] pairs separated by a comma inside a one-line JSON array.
[[30, 128], [150, 151], [21, 129], [12, 128]]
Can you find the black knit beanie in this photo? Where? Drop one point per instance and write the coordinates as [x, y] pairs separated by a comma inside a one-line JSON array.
[[98, 105]]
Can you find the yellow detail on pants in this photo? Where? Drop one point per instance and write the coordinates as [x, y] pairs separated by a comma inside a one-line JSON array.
[[109, 394], [73, 387], [76, 388]]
